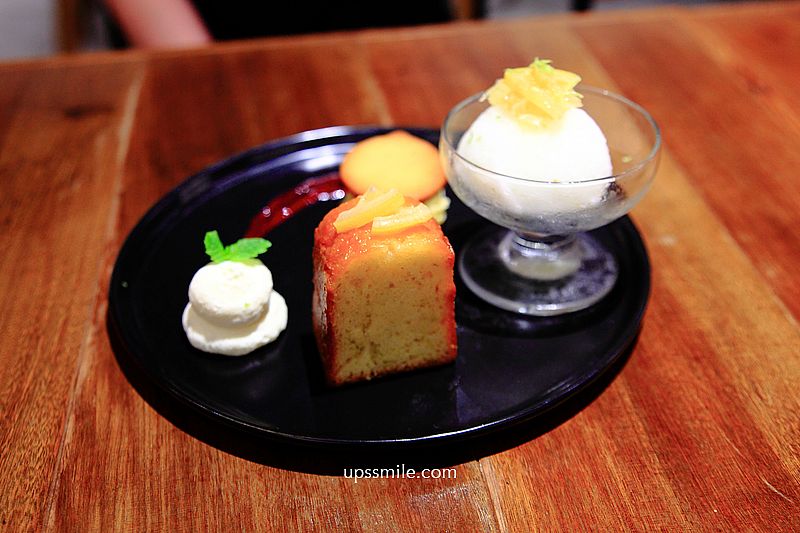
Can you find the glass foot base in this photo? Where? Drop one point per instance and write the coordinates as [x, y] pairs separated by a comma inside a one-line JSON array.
[[485, 268]]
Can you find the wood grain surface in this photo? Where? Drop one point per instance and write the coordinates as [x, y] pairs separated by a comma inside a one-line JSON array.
[[699, 430]]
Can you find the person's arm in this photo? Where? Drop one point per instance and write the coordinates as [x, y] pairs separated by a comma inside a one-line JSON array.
[[159, 23]]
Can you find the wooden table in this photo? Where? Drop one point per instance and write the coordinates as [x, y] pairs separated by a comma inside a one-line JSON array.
[[699, 431]]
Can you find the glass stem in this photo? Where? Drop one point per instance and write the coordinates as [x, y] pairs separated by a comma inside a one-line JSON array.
[[541, 257]]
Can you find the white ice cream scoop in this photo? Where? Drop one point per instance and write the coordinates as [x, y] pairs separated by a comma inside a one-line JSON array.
[[572, 148], [549, 162], [231, 293]]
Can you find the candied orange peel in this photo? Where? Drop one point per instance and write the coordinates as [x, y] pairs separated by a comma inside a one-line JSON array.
[[536, 95], [404, 218], [370, 205], [387, 212]]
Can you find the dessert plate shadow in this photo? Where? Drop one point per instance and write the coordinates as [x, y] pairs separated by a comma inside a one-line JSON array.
[[510, 368]]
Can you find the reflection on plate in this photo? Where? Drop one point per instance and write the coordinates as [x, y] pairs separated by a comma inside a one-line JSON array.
[[510, 368]]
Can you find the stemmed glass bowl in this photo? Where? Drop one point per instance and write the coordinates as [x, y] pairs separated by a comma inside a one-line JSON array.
[[540, 260]]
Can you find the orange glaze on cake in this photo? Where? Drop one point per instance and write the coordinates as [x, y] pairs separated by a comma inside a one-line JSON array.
[[383, 303]]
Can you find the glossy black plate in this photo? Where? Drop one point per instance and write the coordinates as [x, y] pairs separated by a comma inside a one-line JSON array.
[[509, 369]]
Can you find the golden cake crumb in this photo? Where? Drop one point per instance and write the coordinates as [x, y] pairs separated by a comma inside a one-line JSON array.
[[383, 302]]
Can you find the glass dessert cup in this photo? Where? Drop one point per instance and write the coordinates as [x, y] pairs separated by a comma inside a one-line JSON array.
[[541, 261]]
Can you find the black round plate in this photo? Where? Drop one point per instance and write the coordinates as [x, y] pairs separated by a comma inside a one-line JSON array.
[[509, 369]]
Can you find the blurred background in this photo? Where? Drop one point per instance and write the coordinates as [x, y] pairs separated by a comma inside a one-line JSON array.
[[35, 28]]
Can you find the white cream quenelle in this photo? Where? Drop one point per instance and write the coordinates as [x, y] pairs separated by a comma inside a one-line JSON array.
[[232, 307]]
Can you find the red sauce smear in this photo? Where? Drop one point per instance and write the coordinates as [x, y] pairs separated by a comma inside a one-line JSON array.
[[283, 206]]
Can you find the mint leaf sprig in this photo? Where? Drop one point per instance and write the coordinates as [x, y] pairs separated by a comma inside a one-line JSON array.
[[543, 65], [242, 250]]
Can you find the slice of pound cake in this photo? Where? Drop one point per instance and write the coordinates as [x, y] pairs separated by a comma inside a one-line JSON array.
[[384, 297]]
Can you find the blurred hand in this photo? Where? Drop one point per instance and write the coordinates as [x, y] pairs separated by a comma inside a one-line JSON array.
[[160, 23]]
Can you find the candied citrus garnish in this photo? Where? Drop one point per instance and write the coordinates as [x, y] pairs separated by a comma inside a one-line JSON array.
[[404, 218], [372, 192], [535, 95], [372, 204]]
